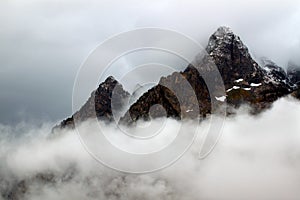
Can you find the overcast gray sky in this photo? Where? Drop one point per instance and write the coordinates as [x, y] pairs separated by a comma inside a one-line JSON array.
[[43, 42]]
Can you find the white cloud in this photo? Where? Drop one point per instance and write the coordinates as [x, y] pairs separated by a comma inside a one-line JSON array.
[[256, 158]]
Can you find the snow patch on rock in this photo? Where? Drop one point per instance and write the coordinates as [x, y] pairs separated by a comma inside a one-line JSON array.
[[255, 84], [222, 98], [238, 80]]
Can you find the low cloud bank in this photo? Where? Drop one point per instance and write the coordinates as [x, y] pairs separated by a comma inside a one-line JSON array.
[[257, 157]]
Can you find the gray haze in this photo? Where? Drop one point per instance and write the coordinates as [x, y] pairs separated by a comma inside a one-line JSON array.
[[43, 42], [256, 158]]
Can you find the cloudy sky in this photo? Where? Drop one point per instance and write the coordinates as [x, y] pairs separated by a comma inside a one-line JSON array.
[[44, 42]]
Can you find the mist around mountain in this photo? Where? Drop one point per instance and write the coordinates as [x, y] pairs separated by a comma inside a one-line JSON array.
[[257, 156], [247, 81]]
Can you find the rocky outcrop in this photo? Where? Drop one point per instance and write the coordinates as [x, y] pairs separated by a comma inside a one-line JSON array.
[[100, 104], [244, 79], [293, 73], [172, 97]]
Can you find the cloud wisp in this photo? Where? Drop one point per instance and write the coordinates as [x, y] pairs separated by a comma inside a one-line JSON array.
[[257, 157]]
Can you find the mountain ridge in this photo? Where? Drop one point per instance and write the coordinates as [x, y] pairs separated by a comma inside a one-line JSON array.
[[245, 81]]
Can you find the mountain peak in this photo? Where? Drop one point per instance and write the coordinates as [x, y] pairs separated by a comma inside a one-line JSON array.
[[100, 104], [223, 42], [232, 57], [110, 79], [244, 79], [223, 30]]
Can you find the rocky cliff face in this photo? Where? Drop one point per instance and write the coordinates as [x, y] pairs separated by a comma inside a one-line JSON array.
[[185, 94], [293, 73], [99, 105], [244, 79], [172, 97]]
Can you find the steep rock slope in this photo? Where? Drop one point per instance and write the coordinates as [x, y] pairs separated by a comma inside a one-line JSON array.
[[293, 73], [99, 104], [244, 79], [186, 94]]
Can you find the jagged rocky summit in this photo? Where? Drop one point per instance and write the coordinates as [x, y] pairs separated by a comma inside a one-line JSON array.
[[99, 104], [246, 81]]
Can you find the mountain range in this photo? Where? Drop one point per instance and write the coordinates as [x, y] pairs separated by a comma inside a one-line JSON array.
[[257, 83]]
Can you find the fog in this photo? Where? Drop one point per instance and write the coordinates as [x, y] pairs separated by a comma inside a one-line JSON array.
[[257, 157], [43, 43]]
